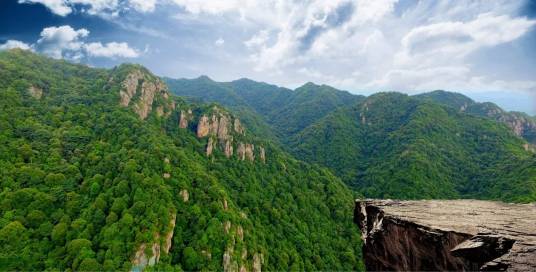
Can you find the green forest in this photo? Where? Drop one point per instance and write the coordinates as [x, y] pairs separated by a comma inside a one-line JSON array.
[[390, 145], [105, 169], [85, 183]]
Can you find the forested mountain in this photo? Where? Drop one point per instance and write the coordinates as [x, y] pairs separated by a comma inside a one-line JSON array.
[[396, 146], [281, 111], [521, 124], [435, 145], [105, 170]]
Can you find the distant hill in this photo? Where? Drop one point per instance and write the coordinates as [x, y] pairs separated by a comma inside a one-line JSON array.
[[434, 145], [396, 146], [521, 124], [273, 111]]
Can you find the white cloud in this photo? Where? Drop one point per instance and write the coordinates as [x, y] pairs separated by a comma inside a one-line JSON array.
[[454, 40], [103, 8], [69, 43], [143, 5], [219, 42], [110, 50], [62, 41], [258, 39], [381, 44], [10, 44], [354, 44], [59, 7], [217, 6], [435, 56], [295, 31]]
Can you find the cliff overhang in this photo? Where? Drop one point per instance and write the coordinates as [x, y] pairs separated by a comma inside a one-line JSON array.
[[439, 235]]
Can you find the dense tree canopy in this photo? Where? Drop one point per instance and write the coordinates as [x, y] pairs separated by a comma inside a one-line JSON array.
[[82, 185], [389, 145]]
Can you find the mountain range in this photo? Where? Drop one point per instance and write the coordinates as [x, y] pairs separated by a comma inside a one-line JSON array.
[[118, 169], [389, 145]]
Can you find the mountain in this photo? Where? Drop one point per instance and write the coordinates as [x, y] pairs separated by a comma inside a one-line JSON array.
[[521, 124], [106, 170], [284, 112], [396, 146], [389, 145]]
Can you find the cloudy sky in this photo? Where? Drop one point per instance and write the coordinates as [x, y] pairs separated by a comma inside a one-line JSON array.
[[485, 49]]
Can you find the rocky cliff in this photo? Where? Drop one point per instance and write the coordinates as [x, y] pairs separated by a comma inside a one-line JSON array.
[[142, 259], [142, 90], [447, 235], [521, 124], [223, 132]]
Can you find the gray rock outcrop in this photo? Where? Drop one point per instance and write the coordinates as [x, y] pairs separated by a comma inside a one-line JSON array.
[[141, 260], [35, 92], [222, 130], [447, 235], [146, 88], [184, 118]]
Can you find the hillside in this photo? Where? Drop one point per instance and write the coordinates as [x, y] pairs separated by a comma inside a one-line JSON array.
[[520, 123], [434, 145], [105, 170], [278, 112], [396, 146]]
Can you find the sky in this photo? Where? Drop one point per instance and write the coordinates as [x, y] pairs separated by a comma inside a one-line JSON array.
[[485, 49]]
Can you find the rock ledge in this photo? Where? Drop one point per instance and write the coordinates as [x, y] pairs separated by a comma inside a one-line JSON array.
[[447, 235]]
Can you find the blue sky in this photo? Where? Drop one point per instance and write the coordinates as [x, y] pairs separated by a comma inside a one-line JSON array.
[[484, 49]]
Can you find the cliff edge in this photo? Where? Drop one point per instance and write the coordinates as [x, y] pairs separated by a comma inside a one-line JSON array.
[[447, 235]]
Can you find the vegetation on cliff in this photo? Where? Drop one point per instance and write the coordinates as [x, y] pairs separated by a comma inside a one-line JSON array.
[[390, 145], [90, 184]]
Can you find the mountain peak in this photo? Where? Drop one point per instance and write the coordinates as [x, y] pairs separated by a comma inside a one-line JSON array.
[[204, 78], [309, 85], [451, 99], [140, 88]]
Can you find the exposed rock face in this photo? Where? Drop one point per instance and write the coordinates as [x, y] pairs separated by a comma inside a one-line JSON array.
[[185, 195], [262, 154], [447, 235], [238, 127], [249, 152], [210, 146], [169, 235], [521, 124], [227, 226], [130, 84], [218, 124], [147, 89], [258, 260], [35, 92], [222, 129], [245, 151], [203, 127], [228, 150], [142, 260], [185, 117], [228, 265], [240, 233], [241, 151]]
